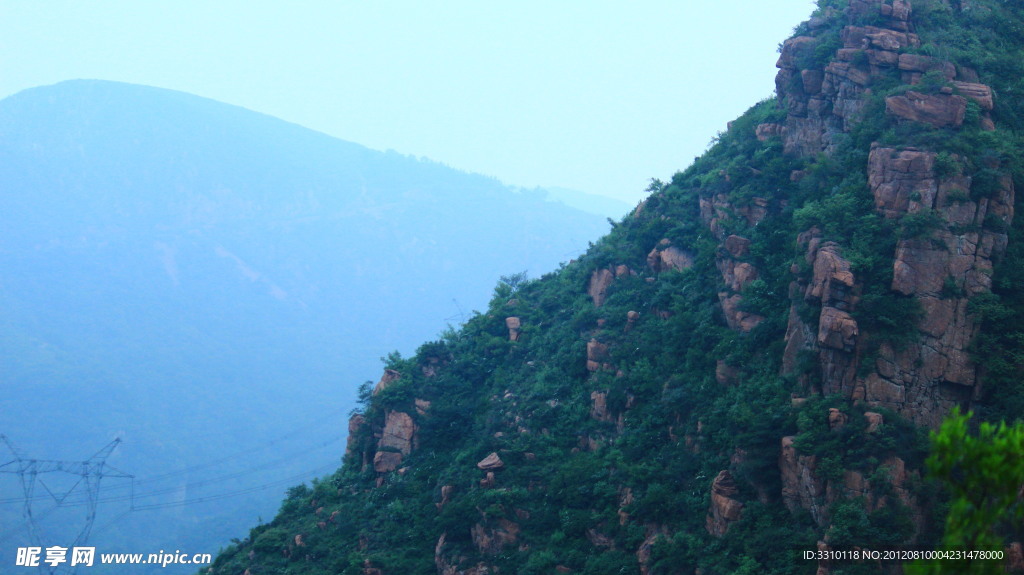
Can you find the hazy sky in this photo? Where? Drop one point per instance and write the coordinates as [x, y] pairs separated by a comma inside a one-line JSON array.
[[596, 96]]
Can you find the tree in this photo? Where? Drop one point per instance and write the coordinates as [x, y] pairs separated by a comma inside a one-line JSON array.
[[984, 473]]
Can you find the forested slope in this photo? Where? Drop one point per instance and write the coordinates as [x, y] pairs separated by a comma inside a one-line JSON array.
[[746, 365]]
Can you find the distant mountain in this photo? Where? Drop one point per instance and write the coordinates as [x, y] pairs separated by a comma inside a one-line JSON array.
[[204, 281], [590, 203]]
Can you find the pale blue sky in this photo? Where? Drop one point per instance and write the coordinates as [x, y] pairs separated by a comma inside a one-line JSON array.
[[596, 96]]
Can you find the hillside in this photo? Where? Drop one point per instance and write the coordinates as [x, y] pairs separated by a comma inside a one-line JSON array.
[[747, 365], [196, 278]]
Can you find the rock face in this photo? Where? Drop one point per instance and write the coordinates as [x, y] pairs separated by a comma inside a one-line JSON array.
[[644, 552], [875, 420], [597, 355], [355, 424], [600, 280], [804, 488], [396, 441], [939, 110], [801, 487], [666, 257], [599, 406], [737, 274], [735, 316], [453, 565], [399, 431], [733, 255], [833, 287], [824, 98], [943, 270], [491, 540], [724, 509], [717, 209], [943, 267]]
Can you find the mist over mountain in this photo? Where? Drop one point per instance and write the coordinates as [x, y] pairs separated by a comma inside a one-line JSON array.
[[203, 280], [590, 203]]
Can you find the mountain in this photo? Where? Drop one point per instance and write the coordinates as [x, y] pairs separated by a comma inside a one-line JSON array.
[[206, 282], [590, 203], [746, 368]]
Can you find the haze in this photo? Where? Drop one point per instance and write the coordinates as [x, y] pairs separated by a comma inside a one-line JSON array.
[[593, 96]]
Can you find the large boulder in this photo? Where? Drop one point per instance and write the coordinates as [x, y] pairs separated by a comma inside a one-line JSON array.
[[490, 463], [724, 509]]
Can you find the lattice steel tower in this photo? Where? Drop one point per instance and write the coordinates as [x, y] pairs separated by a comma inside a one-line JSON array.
[[90, 472]]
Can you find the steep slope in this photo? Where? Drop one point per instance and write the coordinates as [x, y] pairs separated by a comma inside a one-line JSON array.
[[196, 278], [745, 368]]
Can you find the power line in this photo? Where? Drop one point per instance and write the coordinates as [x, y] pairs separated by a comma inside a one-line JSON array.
[[214, 497], [90, 472], [137, 495], [204, 499], [221, 460]]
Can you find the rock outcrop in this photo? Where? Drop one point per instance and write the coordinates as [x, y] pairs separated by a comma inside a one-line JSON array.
[[940, 110], [490, 463], [801, 486], [719, 208], [824, 97], [725, 509], [597, 355], [490, 540], [665, 256], [831, 287], [732, 257], [599, 406], [447, 565], [942, 268], [397, 440], [644, 552], [736, 272], [514, 326], [600, 280], [390, 376], [355, 424]]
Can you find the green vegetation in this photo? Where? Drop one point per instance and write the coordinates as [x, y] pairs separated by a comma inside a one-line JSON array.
[[610, 461], [984, 473]]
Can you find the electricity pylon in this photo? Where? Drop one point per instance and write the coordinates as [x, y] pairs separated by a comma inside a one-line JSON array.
[[90, 472]]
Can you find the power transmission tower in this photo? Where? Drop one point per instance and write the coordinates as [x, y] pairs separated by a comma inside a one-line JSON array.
[[90, 472]]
